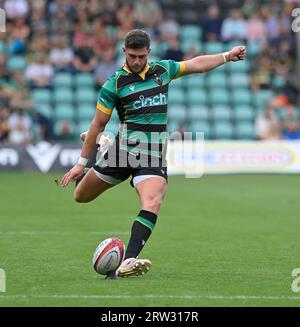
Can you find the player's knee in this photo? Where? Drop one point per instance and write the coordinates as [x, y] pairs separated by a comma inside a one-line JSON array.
[[80, 197], [152, 204]]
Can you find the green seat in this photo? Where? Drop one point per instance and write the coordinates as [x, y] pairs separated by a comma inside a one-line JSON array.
[[231, 44], [111, 31], [86, 111], [219, 96], [223, 130], [3, 47], [194, 81], [63, 95], [172, 126], [177, 113], [119, 48], [213, 47], [220, 69], [190, 32], [242, 66], [239, 80], [253, 49], [62, 80], [45, 110], [203, 127], [84, 80], [86, 95], [241, 96], [187, 44], [245, 131], [16, 63], [177, 83], [216, 79], [220, 113], [83, 126], [64, 112], [278, 82], [155, 48], [176, 96], [197, 113], [261, 98], [243, 112], [120, 60], [196, 96], [41, 96]]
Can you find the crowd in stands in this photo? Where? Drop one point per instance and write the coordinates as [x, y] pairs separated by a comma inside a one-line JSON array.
[[85, 36]]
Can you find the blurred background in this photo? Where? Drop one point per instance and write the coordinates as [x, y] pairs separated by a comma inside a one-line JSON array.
[[242, 230], [55, 55]]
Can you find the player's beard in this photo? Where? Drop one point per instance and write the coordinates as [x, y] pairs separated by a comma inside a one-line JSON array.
[[134, 70]]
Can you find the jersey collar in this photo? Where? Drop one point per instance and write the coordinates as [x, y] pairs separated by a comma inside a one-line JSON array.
[[142, 74]]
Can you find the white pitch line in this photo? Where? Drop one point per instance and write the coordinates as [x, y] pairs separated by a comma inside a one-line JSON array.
[[28, 233], [153, 296]]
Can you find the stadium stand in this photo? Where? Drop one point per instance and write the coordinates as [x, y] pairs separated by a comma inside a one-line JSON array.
[[224, 103]]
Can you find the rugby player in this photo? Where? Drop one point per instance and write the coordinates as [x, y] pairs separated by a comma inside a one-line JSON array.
[[139, 92]]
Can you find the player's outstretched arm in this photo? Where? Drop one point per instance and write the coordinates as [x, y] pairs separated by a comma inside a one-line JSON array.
[[97, 126], [205, 63]]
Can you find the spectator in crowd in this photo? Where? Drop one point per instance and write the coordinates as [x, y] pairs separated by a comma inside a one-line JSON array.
[[262, 73], [108, 12], [106, 67], [60, 24], [16, 8], [61, 55], [248, 8], [101, 40], [84, 60], [256, 29], [4, 72], [20, 128], [40, 43], [168, 27], [39, 73], [45, 127], [65, 132], [291, 130], [174, 52], [147, 12], [267, 126], [37, 21], [212, 24], [19, 32], [234, 27], [84, 34], [4, 127]]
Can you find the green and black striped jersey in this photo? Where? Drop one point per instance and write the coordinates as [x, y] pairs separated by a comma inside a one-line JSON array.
[[141, 101]]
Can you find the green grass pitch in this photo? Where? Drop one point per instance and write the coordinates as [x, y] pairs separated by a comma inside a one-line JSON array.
[[228, 240]]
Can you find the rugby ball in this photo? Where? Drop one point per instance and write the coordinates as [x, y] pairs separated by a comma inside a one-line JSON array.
[[108, 255]]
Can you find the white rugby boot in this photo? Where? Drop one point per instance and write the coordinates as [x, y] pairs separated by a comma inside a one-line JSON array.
[[133, 267]]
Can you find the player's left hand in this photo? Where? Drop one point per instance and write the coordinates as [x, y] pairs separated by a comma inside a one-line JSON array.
[[72, 175], [237, 53]]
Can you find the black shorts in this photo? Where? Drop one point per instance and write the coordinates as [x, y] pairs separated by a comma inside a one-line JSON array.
[[116, 173]]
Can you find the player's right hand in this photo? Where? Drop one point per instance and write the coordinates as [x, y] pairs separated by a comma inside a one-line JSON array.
[[72, 175]]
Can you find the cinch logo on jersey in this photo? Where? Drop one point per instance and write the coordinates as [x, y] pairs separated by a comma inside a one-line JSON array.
[[156, 100]]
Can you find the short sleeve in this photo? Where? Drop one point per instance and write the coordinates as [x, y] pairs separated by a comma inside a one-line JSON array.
[[107, 97], [175, 68]]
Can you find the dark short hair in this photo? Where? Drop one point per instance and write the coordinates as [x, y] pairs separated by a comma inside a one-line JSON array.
[[137, 39]]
